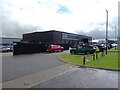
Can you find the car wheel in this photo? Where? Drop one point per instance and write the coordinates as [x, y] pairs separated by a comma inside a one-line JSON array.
[[49, 51], [52, 51], [55, 51], [88, 53], [60, 50]]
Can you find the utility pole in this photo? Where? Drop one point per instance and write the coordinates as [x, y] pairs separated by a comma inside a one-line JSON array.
[[115, 33], [115, 36], [106, 29]]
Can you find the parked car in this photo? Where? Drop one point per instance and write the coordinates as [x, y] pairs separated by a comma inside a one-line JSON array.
[[114, 44], [101, 48], [6, 48], [97, 49], [3, 49], [109, 46], [10, 48], [83, 49], [54, 48]]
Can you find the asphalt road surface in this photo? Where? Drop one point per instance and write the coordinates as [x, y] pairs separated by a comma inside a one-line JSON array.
[[83, 78], [18, 66], [43, 67]]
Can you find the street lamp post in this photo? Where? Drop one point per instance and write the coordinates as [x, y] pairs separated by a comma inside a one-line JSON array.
[[106, 29], [115, 36]]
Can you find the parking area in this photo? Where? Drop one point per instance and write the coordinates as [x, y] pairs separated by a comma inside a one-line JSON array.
[[83, 78], [6, 54], [45, 70], [17, 66]]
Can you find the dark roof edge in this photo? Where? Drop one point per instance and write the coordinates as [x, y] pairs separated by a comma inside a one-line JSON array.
[[56, 31], [68, 33]]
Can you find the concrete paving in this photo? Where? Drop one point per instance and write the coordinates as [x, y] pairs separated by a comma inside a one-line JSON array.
[[18, 66], [83, 78], [29, 81]]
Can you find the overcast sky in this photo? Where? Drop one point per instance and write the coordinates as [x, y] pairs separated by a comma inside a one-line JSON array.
[[86, 17]]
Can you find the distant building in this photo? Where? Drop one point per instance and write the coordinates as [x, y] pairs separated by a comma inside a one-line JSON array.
[[95, 41], [56, 37], [104, 41], [8, 40]]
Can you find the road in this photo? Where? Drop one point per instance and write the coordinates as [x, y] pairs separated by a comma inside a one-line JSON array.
[[83, 78], [47, 71], [17, 66]]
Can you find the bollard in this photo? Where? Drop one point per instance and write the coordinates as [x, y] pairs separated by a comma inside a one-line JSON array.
[[102, 53], [93, 57], [96, 55], [84, 60]]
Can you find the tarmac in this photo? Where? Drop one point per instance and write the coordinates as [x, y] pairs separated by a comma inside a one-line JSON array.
[[47, 71], [34, 79]]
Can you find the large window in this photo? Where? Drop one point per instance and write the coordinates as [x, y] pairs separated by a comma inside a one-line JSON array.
[[69, 36]]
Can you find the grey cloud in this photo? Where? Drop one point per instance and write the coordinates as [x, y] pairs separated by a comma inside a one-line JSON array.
[[99, 30], [8, 27], [99, 34], [12, 28], [16, 29]]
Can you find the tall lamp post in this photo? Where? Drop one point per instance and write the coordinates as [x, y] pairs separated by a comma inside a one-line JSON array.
[[115, 36], [106, 29]]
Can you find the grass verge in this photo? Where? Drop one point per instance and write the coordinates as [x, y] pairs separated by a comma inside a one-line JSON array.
[[109, 61]]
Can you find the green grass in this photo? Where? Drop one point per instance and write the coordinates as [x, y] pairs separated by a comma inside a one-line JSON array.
[[110, 61], [114, 49]]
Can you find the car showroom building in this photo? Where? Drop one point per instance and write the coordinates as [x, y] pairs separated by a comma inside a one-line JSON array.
[[56, 37]]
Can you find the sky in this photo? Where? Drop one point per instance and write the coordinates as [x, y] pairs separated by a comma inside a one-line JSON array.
[[86, 17]]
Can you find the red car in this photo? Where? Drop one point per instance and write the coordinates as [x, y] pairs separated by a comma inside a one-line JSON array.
[[54, 48]]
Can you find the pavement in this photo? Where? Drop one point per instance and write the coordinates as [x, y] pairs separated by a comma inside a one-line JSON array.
[[29, 81], [44, 70], [83, 78], [18, 66]]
